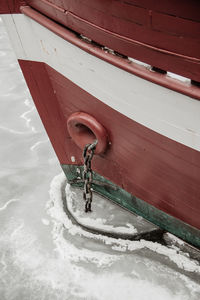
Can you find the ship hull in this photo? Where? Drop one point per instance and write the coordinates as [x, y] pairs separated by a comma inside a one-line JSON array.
[[138, 160], [152, 162]]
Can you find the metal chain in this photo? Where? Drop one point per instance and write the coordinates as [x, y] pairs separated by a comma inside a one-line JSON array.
[[88, 154]]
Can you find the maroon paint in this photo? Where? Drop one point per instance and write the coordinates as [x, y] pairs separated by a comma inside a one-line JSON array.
[[171, 7], [164, 80], [148, 165], [4, 7], [169, 42], [85, 129], [47, 105], [11, 6]]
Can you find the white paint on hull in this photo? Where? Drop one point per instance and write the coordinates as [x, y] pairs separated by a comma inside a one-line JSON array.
[[167, 112]]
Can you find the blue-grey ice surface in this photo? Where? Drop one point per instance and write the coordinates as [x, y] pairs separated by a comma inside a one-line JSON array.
[[42, 254]]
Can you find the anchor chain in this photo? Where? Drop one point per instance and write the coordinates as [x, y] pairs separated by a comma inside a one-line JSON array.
[[88, 154]]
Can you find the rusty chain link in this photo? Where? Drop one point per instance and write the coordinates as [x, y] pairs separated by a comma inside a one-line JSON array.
[[88, 154]]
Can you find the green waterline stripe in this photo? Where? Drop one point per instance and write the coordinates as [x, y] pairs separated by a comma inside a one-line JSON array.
[[109, 190]]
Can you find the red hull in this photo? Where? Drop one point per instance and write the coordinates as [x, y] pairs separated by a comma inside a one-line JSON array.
[[164, 173], [11, 6]]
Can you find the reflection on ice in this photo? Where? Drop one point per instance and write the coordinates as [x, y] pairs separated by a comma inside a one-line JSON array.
[[37, 144], [11, 130], [7, 203], [28, 120]]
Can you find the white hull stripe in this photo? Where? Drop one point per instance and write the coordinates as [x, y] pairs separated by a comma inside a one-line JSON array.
[[167, 112]]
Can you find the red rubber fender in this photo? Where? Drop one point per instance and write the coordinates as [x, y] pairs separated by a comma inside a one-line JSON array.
[[85, 129]]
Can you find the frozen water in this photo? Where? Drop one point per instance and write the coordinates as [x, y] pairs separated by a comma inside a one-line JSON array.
[[42, 254], [105, 216]]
